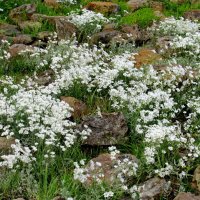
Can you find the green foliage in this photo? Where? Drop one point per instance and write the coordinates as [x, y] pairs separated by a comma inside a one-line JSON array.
[[143, 17]]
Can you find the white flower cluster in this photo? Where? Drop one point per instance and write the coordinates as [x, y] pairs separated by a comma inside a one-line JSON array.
[[67, 1], [173, 27], [86, 18]]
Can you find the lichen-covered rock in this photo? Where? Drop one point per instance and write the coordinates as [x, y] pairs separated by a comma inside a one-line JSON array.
[[22, 13], [146, 56], [103, 7], [107, 129], [8, 29], [30, 25]]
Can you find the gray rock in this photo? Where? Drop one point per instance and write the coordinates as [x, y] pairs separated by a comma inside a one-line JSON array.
[[108, 129], [152, 188], [8, 30]]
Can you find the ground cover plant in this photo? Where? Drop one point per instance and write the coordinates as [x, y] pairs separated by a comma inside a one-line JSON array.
[[107, 108]]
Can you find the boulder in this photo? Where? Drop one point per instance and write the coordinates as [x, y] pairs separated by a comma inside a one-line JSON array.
[[22, 13], [103, 7], [192, 15], [103, 168], [186, 196], [79, 107], [107, 129]]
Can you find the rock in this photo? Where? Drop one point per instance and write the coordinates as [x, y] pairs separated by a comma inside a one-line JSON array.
[[52, 3], [186, 196], [19, 199], [44, 35], [58, 198], [136, 4], [22, 39], [179, 1], [103, 168], [133, 30], [30, 25], [157, 6], [80, 108], [104, 36], [192, 15], [152, 188], [65, 29], [163, 44], [103, 7], [108, 129], [39, 43], [8, 30], [22, 13], [5, 144], [146, 56], [15, 49], [196, 178]]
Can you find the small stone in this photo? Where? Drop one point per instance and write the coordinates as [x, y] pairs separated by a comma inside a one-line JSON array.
[[186, 196], [103, 7], [157, 6], [146, 56], [52, 3], [59, 198], [22, 39], [80, 108], [5, 144], [22, 13], [45, 78], [30, 25], [106, 167], [196, 178], [136, 4], [107, 129], [65, 29], [44, 35], [133, 31], [192, 15], [16, 49], [152, 188], [8, 30], [104, 37]]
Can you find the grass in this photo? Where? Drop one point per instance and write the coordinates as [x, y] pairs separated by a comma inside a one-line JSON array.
[[143, 17]]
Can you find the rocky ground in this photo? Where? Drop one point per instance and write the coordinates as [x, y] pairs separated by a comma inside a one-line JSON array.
[[100, 100]]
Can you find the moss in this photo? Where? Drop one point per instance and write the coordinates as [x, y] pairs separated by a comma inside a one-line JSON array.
[[143, 17]]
